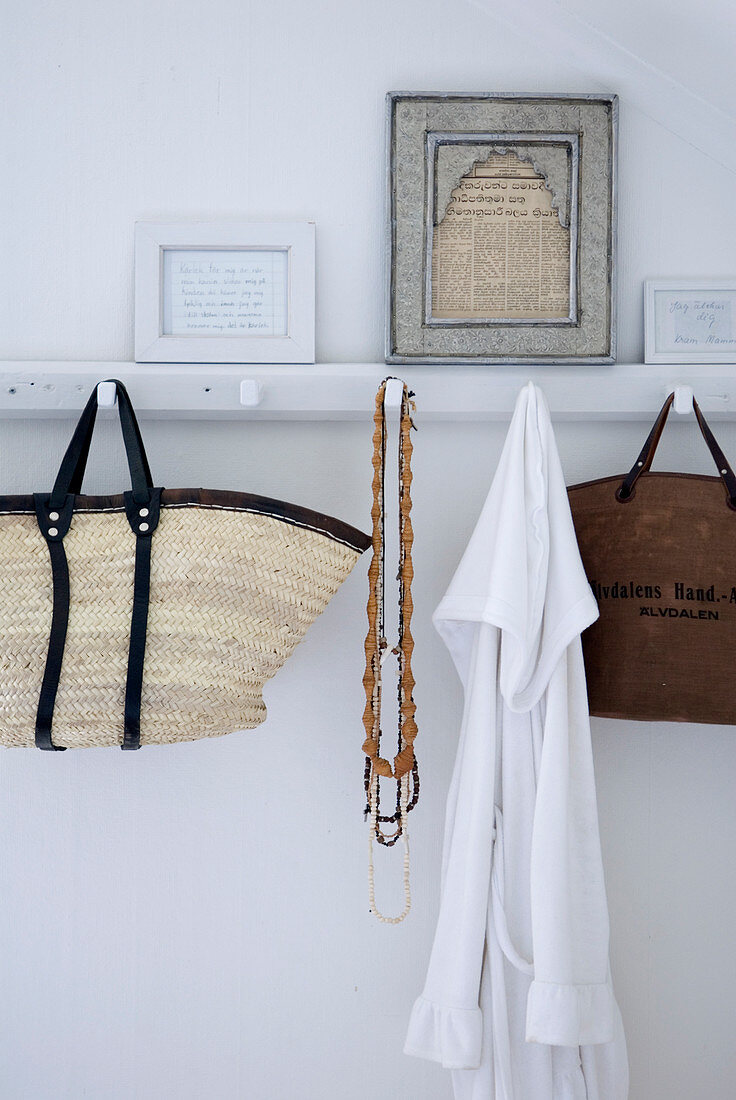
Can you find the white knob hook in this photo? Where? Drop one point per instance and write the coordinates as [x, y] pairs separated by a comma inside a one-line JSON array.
[[683, 402], [251, 393], [107, 395], [393, 395]]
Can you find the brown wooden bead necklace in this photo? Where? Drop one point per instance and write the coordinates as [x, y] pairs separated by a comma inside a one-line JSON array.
[[404, 770]]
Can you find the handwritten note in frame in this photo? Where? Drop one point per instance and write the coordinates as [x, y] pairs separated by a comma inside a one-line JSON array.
[[225, 293], [692, 322]]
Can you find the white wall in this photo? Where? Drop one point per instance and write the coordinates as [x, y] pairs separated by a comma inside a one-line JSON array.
[[191, 923]]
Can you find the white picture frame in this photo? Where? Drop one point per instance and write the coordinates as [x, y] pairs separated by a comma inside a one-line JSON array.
[[690, 321], [224, 292]]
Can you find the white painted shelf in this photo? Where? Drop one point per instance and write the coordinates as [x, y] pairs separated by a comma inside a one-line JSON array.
[[346, 391]]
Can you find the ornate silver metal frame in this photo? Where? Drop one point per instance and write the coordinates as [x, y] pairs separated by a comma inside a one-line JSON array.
[[571, 141]]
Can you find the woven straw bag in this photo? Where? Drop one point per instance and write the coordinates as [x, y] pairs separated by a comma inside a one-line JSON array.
[[155, 616]]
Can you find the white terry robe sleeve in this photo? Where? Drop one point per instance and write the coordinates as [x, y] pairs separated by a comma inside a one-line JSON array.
[[570, 1000], [511, 619], [446, 1022]]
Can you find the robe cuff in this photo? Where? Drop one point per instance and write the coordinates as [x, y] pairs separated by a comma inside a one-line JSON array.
[[569, 1015], [452, 1036]]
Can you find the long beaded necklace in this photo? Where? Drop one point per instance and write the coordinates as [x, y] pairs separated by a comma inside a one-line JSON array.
[[404, 770]]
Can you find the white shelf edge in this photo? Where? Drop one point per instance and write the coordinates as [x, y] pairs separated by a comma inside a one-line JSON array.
[[346, 391]]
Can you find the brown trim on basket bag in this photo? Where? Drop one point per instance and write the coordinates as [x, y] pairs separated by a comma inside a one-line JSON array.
[[223, 499]]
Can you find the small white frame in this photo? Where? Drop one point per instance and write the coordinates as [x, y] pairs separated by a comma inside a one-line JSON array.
[[690, 321], [154, 345]]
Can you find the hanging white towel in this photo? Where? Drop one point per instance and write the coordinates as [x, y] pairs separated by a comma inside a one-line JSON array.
[[518, 1000]]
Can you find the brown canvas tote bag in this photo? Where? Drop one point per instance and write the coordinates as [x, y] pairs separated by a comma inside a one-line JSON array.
[[659, 550]]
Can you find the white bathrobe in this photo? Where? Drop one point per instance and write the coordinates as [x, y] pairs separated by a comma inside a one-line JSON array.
[[518, 1000]]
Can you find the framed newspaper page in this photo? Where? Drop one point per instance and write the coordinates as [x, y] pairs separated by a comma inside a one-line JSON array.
[[501, 228]]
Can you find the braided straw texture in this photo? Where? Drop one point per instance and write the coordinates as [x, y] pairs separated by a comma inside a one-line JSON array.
[[232, 593]]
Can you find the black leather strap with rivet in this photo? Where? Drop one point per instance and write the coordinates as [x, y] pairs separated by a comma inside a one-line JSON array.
[[54, 525], [55, 655], [144, 522], [54, 514]]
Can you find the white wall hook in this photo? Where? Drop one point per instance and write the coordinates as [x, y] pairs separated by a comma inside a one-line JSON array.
[[106, 395], [393, 395], [683, 402], [251, 393]]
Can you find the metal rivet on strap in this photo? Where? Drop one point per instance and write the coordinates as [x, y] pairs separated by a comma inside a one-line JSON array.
[[53, 515], [53, 531], [143, 527], [640, 464], [143, 512], [724, 471]]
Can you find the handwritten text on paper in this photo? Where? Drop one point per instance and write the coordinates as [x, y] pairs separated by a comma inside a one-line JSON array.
[[695, 320], [225, 292]]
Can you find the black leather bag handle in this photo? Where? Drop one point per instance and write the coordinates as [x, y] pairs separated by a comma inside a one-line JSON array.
[[73, 465], [646, 455], [54, 515]]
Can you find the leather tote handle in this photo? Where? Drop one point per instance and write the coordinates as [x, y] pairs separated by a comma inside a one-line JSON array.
[[646, 455], [54, 514], [73, 465]]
